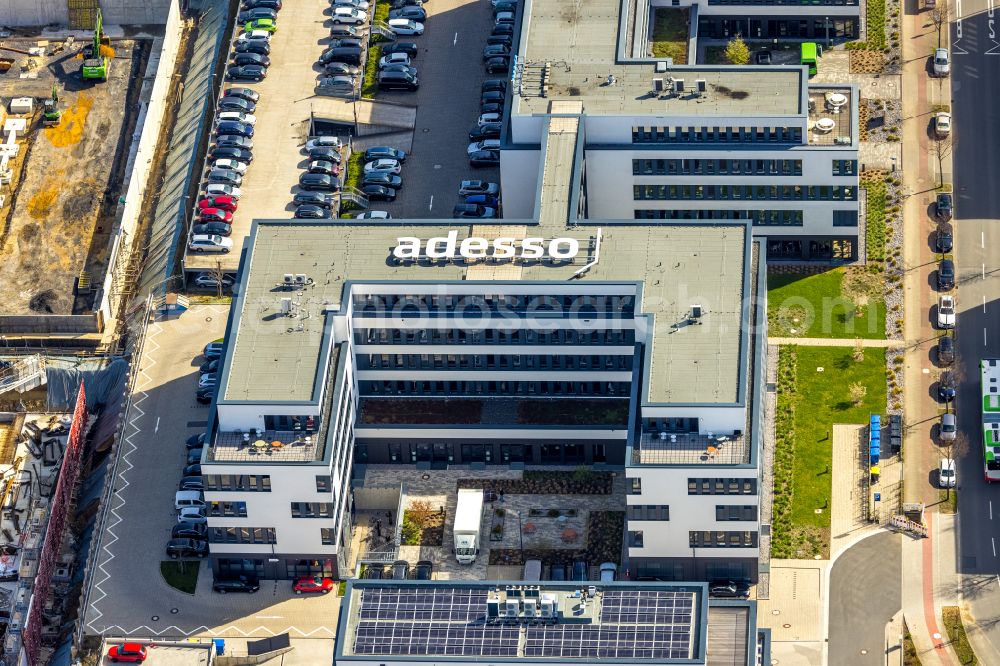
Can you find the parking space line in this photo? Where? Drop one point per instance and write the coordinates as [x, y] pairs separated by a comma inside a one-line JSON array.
[[455, 41], [430, 206]]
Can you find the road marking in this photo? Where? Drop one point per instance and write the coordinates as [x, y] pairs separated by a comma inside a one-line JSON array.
[[984, 336], [982, 239], [993, 542], [984, 271], [455, 41], [984, 302], [991, 509], [430, 206], [156, 429]]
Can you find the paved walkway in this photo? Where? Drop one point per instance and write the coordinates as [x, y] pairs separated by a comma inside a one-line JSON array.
[[835, 342], [794, 612]]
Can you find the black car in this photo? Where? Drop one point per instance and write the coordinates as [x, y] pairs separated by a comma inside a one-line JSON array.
[[423, 570], [409, 48], [400, 570], [241, 584], [192, 470], [490, 107], [473, 211], [485, 158], [212, 229], [322, 166], [248, 94], [191, 483], [492, 96], [946, 275], [580, 570], [387, 152], [384, 179], [204, 395], [397, 81], [729, 590], [341, 30], [503, 29], [397, 4], [411, 12], [498, 85], [946, 350], [375, 572], [186, 548], [378, 192], [251, 59], [208, 366], [311, 212], [351, 55], [233, 141], [399, 68], [944, 238], [312, 199], [763, 57], [495, 51], [254, 46], [234, 127], [253, 4], [336, 68], [194, 456], [257, 13], [500, 40], [478, 133], [497, 65], [196, 441], [228, 153], [504, 6], [558, 572], [236, 104], [247, 73], [944, 207], [946, 387], [318, 181], [188, 530]]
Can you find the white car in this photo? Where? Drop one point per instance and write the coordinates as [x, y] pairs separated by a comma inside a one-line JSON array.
[[323, 142], [406, 27], [237, 116], [231, 165], [488, 118], [208, 379], [254, 35], [216, 189], [946, 311], [946, 473], [942, 123], [348, 15], [384, 165], [609, 570], [374, 215], [357, 4], [191, 514], [485, 144], [942, 62], [397, 58], [210, 243], [210, 280]]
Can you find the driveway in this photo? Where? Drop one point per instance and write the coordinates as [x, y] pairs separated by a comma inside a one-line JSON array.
[[128, 595], [865, 592]]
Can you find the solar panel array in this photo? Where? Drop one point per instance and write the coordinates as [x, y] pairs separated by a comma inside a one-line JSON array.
[[641, 625]]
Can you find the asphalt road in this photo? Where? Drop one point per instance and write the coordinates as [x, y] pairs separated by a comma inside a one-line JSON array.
[[976, 116], [865, 592]]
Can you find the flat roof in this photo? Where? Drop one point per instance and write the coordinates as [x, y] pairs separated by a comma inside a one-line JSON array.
[[451, 621], [691, 360], [575, 42]]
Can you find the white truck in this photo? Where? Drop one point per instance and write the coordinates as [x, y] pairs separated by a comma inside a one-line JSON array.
[[468, 518]]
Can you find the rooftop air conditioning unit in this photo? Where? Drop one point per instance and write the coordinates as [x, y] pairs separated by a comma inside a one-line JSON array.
[[289, 279], [530, 608], [286, 306], [548, 607], [512, 608], [493, 607], [696, 311], [301, 279]]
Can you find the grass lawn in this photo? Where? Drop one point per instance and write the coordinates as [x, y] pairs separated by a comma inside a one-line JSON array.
[[670, 34], [181, 574], [370, 84], [952, 617], [817, 402], [821, 310], [715, 55], [355, 166]]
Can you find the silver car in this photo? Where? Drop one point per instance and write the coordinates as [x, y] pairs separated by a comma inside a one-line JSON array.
[[942, 62]]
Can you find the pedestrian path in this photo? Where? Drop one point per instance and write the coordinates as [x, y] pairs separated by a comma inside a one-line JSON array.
[[836, 342]]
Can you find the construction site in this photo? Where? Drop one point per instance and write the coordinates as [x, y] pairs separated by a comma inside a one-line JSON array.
[[70, 109]]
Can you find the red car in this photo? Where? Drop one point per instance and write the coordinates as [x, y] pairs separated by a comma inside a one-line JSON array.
[[132, 653], [215, 215], [313, 584], [221, 201]]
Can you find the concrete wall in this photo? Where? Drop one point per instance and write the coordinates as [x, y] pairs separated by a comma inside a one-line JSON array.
[[116, 12]]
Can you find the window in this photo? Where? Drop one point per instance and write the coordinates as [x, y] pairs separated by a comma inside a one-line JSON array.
[[722, 486], [635, 486], [727, 512], [702, 539], [312, 510], [845, 167], [648, 512], [256, 535], [328, 536], [227, 509], [323, 483], [845, 218], [635, 539], [238, 482]]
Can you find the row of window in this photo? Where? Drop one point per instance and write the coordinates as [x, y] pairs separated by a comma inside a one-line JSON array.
[[745, 192], [492, 362], [573, 334], [804, 3], [570, 303], [845, 167], [312, 510], [702, 539], [227, 509], [427, 387], [648, 512], [722, 486], [716, 135], [240, 482], [241, 535], [727, 512], [688, 167], [760, 218]]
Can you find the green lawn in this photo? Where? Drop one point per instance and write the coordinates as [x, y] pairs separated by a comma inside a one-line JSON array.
[[822, 312], [181, 574], [670, 34], [817, 401], [370, 83], [355, 165], [952, 618]]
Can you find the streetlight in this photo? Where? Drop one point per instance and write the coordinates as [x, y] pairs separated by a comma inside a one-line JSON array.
[[827, 24], [520, 531]]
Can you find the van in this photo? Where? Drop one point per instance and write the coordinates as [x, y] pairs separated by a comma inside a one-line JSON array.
[[184, 499], [807, 56], [532, 571], [609, 571], [350, 55]]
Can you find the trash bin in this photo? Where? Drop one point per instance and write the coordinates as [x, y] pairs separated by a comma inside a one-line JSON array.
[[220, 645]]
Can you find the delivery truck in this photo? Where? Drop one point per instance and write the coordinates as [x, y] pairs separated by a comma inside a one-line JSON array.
[[468, 518]]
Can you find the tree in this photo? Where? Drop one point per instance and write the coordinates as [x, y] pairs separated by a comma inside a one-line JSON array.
[[941, 17], [941, 149], [857, 391], [861, 287], [859, 351], [420, 512], [955, 449], [218, 275], [737, 51]]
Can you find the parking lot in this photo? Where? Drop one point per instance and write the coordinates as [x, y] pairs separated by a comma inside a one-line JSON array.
[[129, 596], [168, 655]]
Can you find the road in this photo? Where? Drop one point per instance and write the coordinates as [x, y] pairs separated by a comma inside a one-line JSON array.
[[865, 592], [975, 89]]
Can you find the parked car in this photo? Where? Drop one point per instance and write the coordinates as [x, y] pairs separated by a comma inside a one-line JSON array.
[[729, 590], [254, 35], [609, 571], [409, 48], [356, 4], [221, 202], [402, 26], [497, 65], [218, 189], [398, 81], [386, 164], [557, 572], [230, 153], [341, 30], [488, 131], [488, 118], [344, 85], [944, 206], [946, 387], [492, 97], [483, 200], [374, 215], [501, 18], [212, 228], [423, 570], [348, 43], [177, 548], [491, 107], [234, 141], [382, 178], [251, 59], [234, 128], [942, 62], [384, 152], [261, 25], [318, 181], [247, 94], [946, 311], [201, 243], [478, 187], [394, 59], [192, 514], [322, 166], [503, 40], [942, 124], [485, 144], [348, 15], [495, 51], [326, 154], [323, 142], [211, 281], [191, 483], [379, 193], [485, 158], [946, 350], [229, 165], [253, 4], [410, 12], [129, 653], [215, 215], [944, 238], [214, 349], [194, 455], [503, 29], [257, 13], [311, 212], [242, 584], [312, 199], [580, 570], [186, 530], [504, 6], [208, 379], [313, 584], [254, 46], [948, 429], [400, 570], [375, 572], [497, 85], [946, 275], [473, 211], [225, 177], [946, 473], [396, 4], [236, 104], [349, 55], [247, 73], [407, 71], [337, 68]]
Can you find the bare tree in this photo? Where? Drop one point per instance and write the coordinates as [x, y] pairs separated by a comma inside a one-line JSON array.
[[941, 17], [954, 449], [941, 150], [859, 351], [218, 275], [857, 391]]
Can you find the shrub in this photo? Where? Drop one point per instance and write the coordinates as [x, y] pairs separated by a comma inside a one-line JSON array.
[[370, 83], [737, 51], [875, 231], [410, 532]]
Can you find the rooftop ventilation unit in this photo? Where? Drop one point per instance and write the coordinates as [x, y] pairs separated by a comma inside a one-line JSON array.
[[696, 312], [702, 85], [512, 608], [679, 85], [493, 607], [548, 606], [658, 84], [301, 279], [663, 65], [286, 306]]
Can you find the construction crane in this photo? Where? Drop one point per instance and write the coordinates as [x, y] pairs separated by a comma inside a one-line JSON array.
[[51, 113], [97, 57]]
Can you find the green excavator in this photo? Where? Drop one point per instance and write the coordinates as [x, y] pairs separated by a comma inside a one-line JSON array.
[[97, 56], [50, 109]]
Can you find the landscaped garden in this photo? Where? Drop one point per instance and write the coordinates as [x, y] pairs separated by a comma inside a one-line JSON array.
[[573, 412], [422, 525], [181, 575], [670, 34], [817, 387], [420, 411], [605, 531], [832, 304], [582, 481]]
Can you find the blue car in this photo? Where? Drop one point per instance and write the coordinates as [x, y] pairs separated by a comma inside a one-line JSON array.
[[482, 200]]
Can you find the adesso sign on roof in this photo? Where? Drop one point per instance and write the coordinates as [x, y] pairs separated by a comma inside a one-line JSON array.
[[509, 248]]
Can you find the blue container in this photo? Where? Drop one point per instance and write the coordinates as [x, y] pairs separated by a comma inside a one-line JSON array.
[[220, 645]]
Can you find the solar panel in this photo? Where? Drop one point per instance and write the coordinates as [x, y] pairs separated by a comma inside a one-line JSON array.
[[419, 638]]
